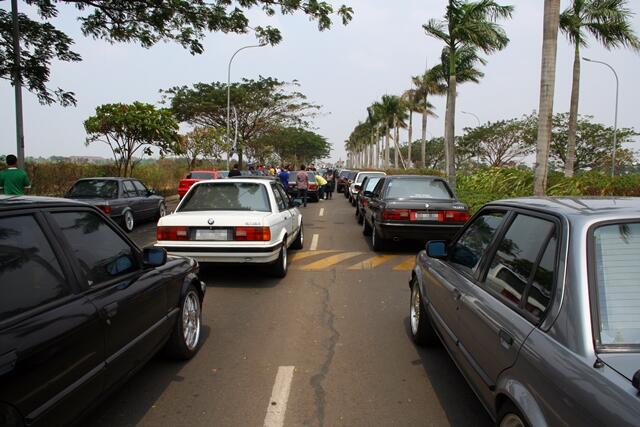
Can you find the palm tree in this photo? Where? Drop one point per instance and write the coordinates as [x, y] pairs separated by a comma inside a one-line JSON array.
[[608, 22], [470, 25], [387, 108], [547, 89], [429, 83]]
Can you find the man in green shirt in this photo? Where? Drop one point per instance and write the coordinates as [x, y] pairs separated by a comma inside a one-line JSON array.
[[13, 181]]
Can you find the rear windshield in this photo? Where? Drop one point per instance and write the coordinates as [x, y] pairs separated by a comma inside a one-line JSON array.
[[94, 188], [343, 174], [417, 188], [227, 196], [617, 251], [352, 175], [362, 176], [200, 175]]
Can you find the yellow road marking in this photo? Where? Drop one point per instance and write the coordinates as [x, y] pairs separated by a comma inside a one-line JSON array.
[[406, 265], [306, 254], [329, 261], [370, 263]]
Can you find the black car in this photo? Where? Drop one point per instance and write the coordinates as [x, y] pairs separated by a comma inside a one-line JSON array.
[[363, 199], [82, 309], [125, 200], [412, 207]]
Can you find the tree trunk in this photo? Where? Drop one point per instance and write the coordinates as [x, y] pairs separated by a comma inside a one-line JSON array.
[[547, 88], [449, 132], [386, 146], [377, 162], [410, 136], [396, 135], [570, 163], [240, 157], [424, 134]]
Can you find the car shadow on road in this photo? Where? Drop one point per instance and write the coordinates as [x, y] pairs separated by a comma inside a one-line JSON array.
[[129, 403], [456, 397], [237, 276]]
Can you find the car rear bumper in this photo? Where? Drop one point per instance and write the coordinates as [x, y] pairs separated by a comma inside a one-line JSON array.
[[417, 232], [228, 255]]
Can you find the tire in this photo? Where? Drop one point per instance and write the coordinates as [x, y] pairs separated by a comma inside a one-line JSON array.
[[162, 210], [510, 416], [280, 267], [366, 228], [379, 243], [299, 242], [128, 222], [185, 340], [422, 331]]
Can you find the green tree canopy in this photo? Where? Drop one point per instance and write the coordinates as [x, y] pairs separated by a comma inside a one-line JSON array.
[[201, 143], [501, 143], [129, 129], [146, 22], [295, 145]]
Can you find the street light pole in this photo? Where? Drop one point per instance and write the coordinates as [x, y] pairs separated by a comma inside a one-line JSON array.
[[229, 96], [615, 121], [472, 114], [17, 83]]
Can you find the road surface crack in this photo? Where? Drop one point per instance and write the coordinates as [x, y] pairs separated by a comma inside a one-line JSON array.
[[327, 317]]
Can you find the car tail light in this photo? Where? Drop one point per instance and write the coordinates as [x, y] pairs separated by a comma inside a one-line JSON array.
[[313, 186], [453, 216], [261, 234], [172, 233], [105, 208], [396, 214]]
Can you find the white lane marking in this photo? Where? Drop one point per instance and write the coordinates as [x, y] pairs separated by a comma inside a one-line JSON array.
[[279, 397], [314, 242], [321, 212]]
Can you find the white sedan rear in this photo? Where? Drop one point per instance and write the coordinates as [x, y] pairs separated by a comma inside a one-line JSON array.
[[240, 220]]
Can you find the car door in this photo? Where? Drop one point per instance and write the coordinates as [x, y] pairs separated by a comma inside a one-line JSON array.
[[375, 202], [284, 220], [132, 300], [133, 199], [51, 337], [295, 213], [498, 312], [149, 203]]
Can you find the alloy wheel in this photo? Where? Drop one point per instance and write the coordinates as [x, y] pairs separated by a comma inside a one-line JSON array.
[[415, 309], [191, 320]]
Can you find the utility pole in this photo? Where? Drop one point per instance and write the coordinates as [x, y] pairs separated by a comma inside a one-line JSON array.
[[17, 83]]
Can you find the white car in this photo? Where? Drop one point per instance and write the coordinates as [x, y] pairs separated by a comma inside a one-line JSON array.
[[236, 220], [354, 188]]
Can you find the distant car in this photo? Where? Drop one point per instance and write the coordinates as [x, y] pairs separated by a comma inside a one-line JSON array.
[[235, 220], [343, 180], [536, 300], [364, 195], [125, 200], [354, 188], [82, 308], [193, 177], [313, 194], [412, 207]]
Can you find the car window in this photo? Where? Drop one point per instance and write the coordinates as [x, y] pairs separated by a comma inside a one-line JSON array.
[[142, 190], [128, 189], [378, 188], [279, 200], [94, 188], [469, 248], [617, 251], [418, 188], [370, 184], [362, 176], [111, 258], [283, 193], [227, 196], [539, 293], [200, 175], [30, 274], [516, 258]]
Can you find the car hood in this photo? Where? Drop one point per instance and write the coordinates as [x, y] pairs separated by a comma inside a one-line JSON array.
[[220, 219], [626, 364]]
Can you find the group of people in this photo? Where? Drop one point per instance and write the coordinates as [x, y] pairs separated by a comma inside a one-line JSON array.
[[325, 181]]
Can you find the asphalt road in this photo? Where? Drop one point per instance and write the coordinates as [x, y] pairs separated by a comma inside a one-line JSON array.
[[339, 318]]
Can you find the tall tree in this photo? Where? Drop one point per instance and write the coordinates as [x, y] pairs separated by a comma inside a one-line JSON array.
[[131, 128], [466, 25], [146, 22], [429, 83], [608, 21], [201, 143], [547, 89]]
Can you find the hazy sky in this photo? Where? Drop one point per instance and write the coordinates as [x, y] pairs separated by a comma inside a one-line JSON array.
[[344, 69]]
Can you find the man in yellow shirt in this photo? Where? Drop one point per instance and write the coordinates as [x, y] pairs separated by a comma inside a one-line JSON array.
[[321, 186]]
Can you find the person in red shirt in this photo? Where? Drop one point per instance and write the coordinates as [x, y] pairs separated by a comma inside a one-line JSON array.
[[302, 181]]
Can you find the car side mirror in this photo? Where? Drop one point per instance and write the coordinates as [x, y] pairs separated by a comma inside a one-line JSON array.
[[294, 203], [151, 192], [154, 257], [437, 249], [357, 187]]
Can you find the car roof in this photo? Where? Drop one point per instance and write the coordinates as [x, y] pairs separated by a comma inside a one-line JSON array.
[[256, 177], [17, 202], [107, 178], [415, 176], [579, 206], [243, 179]]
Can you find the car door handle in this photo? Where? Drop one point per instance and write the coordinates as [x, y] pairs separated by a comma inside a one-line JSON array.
[[110, 310], [8, 361], [456, 294], [506, 340]]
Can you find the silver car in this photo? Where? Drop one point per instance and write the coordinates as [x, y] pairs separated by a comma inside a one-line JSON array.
[[538, 303]]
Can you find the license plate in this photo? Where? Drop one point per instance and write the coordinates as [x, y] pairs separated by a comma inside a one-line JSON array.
[[220, 234], [424, 216]]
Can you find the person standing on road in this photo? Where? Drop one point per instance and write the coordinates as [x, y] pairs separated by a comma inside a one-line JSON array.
[[284, 176], [331, 183], [322, 186], [14, 181], [235, 171], [302, 181]]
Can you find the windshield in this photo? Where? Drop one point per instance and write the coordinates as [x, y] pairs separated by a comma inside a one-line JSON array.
[[417, 188], [362, 176], [200, 175], [227, 196], [617, 251], [95, 188]]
